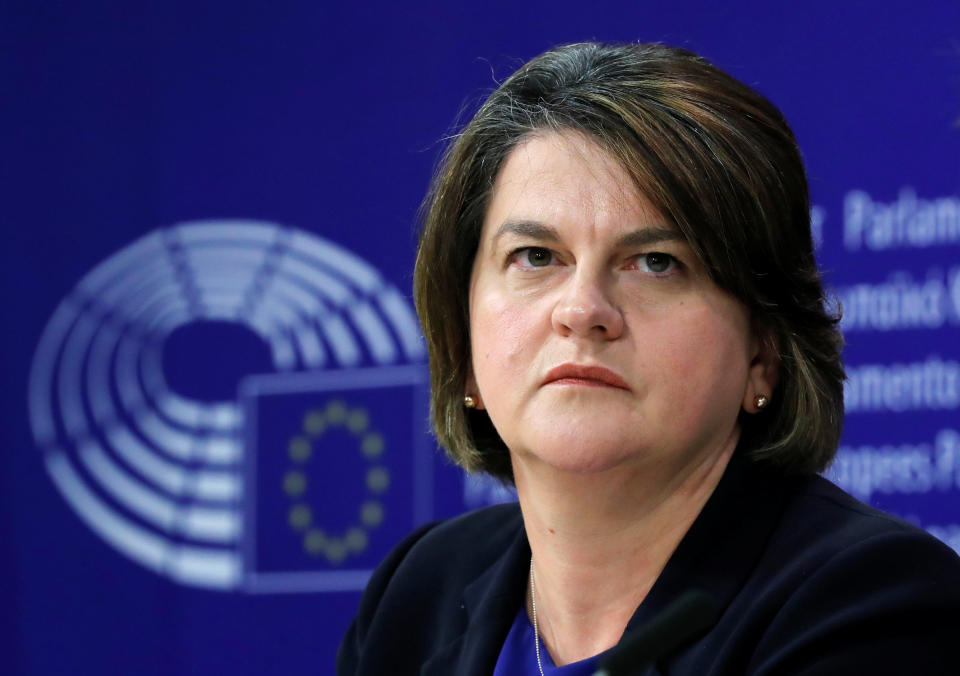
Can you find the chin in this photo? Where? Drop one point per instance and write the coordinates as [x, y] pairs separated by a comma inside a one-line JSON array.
[[580, 455]]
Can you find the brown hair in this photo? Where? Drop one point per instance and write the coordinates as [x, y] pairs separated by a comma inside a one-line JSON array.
[[712, 155]]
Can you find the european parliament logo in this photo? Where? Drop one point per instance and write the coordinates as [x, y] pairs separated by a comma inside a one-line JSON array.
[[286, 483]]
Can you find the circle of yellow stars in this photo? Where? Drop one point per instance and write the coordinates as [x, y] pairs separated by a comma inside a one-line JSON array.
[[317, 422]]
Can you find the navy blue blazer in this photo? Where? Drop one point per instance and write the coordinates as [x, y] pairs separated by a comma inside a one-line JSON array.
[[808, 581]]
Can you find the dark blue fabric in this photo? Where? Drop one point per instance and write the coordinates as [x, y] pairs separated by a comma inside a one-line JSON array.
[[518, 657], [808, 581]]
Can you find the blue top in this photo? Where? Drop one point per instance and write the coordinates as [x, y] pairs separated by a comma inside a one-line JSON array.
[[518, 657]]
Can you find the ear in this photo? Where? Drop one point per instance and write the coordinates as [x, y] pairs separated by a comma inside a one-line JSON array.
[[473, 391], [764, 367]]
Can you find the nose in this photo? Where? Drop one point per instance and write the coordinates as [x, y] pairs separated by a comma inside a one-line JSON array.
[[586, 309]]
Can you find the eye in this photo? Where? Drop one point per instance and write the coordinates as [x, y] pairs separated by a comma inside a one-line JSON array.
[[532, 257], [656, 262]]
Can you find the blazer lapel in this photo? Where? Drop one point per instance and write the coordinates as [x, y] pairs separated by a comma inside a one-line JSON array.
[[488, 607], [724, 543]]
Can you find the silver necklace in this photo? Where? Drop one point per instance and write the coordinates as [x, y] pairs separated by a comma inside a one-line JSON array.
[[533, 606]]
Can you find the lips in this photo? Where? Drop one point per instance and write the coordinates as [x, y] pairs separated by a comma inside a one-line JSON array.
[[588, 376]]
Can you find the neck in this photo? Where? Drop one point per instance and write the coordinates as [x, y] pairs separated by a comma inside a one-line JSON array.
[[600, 540]]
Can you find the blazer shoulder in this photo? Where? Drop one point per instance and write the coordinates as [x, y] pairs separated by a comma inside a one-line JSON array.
[[842, 587], [826, 513], [474, 534], [874, 594], [436, 558], [477, 535], [456, 551]]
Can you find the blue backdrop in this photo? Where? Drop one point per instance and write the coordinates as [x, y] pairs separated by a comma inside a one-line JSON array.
[[214, 402]]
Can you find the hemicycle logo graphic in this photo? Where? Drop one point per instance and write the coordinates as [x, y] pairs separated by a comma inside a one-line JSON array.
[[308, 454]]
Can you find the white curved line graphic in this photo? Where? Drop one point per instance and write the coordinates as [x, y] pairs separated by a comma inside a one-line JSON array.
[[215, 525], [397, 310], [326, 254], [149, 248], [168, 320], [374, 333], [293, 294], [135, 280], [147, 468], [338, 335], [42, 372], [230, 231], [204, 485], [189, 565], [98, 372], [71, 377], [297, 271], [225, 259], [139, 310], [172, 442]]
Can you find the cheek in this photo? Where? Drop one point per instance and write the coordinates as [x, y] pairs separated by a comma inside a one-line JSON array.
[[498, 332], [705, 354]]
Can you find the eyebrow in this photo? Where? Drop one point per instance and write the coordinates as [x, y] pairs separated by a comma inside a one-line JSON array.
[[650, 235], [533, 229], [545, 233]]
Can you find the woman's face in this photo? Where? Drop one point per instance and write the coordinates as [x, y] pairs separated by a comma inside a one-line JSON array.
[[597, 338]]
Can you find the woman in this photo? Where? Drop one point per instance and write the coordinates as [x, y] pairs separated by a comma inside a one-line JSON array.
[[624, 317]]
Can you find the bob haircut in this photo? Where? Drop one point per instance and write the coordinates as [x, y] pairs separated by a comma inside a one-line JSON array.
[[713, 156]]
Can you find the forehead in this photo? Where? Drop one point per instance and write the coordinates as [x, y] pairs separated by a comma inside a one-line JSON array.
[[568, 180]]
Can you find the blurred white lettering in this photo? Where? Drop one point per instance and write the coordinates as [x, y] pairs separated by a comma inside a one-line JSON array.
[[818, 215], [899, 303], [933, 384], [949, 534], [903, 468], [908, 222]]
